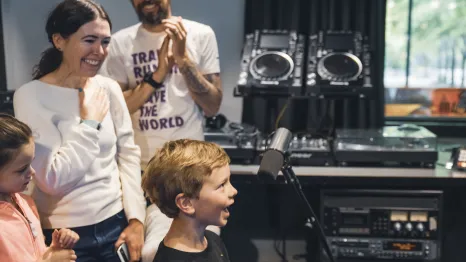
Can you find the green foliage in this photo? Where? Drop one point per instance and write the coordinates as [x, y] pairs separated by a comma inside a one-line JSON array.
[[438, 33]]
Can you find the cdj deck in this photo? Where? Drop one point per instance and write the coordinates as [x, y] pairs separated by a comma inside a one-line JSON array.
[[405, 145]]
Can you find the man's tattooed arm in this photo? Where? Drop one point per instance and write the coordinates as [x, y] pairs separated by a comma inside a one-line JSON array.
[[206, 90]]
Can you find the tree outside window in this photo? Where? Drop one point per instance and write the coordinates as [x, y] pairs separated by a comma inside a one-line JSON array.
[[425, 58]]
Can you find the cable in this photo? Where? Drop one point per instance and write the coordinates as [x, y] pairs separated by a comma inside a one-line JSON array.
[[331, 136], [276, 246], [319, 124], [325, 113], [282, 112]]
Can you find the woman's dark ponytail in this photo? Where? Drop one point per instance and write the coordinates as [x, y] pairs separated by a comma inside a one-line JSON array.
[[65, 20], [50, 60]]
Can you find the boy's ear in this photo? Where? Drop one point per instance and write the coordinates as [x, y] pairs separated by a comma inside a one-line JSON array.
[[185, 204]]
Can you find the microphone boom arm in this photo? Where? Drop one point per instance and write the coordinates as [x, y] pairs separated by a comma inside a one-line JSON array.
[[293, 180]]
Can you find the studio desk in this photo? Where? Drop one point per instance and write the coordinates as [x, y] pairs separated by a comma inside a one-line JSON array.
[[267, 206], [421, 178], [425, 178]]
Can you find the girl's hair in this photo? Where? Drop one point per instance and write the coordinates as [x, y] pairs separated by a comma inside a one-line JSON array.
[[13, 135], [66, 19]]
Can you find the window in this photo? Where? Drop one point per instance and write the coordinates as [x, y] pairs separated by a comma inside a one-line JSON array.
[[425, 59]]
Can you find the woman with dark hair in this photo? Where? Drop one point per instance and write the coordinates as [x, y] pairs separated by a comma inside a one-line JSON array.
[[88, 176]]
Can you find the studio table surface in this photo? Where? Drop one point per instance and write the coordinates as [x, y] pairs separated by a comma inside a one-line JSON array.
[[438, 176]]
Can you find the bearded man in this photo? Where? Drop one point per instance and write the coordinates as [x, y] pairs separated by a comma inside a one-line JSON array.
[[168, 68]]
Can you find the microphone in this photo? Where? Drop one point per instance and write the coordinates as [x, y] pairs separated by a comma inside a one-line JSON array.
[[273, 158]]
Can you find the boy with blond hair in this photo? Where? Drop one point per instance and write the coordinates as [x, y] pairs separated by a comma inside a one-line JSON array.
[[189, 181]]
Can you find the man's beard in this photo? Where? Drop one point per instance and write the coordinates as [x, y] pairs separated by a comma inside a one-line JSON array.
[[152, 18]]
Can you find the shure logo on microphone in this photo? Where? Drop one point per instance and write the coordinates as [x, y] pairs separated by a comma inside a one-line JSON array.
[[301, 155]]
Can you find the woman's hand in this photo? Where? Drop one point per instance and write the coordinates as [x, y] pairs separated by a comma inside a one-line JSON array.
[[93, 103], [133, 236]]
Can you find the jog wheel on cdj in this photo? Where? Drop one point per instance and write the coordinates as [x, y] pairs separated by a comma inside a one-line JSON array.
[[272, 66], [339, 67]]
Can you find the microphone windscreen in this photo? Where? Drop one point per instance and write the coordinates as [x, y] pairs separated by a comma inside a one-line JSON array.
[[271, 163]]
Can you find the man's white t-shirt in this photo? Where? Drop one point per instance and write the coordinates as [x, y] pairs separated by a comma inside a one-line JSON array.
[[170, 113]]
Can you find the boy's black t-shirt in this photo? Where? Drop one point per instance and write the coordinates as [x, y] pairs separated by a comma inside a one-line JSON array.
[[215, 252]]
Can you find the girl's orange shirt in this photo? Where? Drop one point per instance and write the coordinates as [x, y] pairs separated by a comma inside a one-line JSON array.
[[21, 237]]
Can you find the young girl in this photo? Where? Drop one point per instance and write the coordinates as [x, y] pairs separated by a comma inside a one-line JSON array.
[[21, 236]]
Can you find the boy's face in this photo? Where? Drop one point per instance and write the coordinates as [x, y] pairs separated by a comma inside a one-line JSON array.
[[16, 174], [216, 196]]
